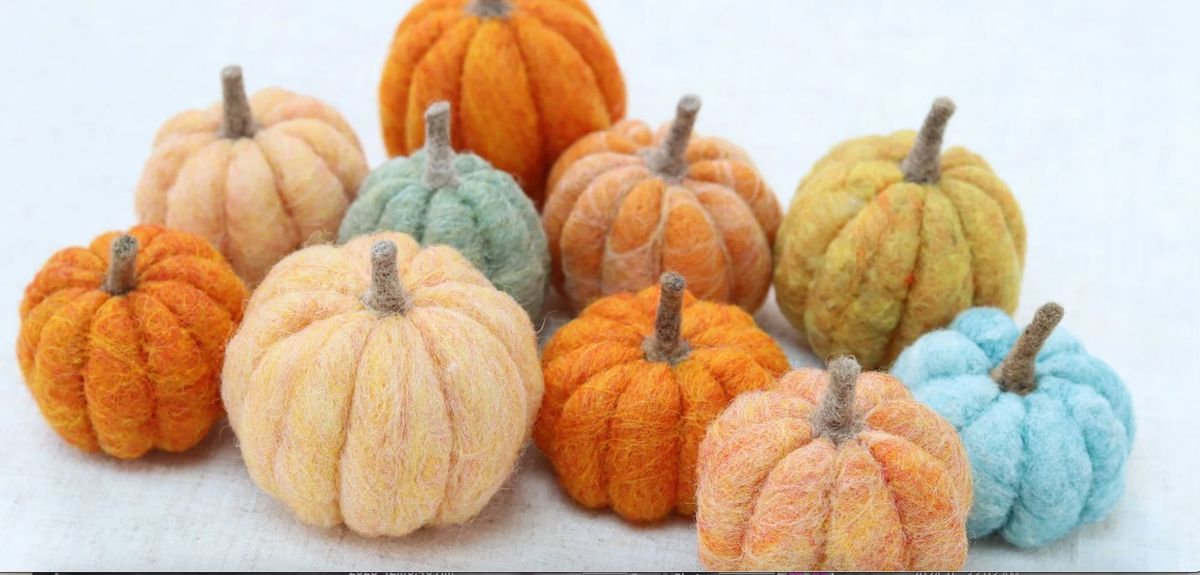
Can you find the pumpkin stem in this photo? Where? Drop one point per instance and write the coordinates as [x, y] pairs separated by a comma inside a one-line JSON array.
[[122, 271], [439, 155], [387, 295], [237, 122], [668, 161], [834, 418], [921, 164], [666, 345], [489, 8], [1016, 372]]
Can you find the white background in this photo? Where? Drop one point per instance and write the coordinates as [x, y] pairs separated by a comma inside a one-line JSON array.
[[1089, 110]]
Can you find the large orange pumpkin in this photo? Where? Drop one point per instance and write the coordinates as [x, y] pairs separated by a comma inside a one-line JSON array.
[[525, 79], [626, 204], [632, 384], [122, 342]]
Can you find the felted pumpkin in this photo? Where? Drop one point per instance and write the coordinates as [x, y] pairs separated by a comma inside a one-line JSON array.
[[258, 178], [381, 385], [631, 385], [888, 238], [626, 204], [439, 197], [836, 470], [526, 78], [121, 342], [1048, 427]]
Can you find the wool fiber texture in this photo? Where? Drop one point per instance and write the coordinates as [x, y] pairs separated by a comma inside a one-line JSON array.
[[866, 260], [773, 493], [136, 370], [1045, 461], [525, 79], [618, 214], [385, 419], [621, 430], [278, 182]]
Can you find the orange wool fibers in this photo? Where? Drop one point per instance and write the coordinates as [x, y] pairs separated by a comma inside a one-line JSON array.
[[121, 342], [832, 471], [631, 386]]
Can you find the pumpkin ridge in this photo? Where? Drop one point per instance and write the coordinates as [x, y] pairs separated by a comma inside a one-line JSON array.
[[180, 258], [567, 41], [613, 211], [347, 422], [887, 482], [267, 348], [185, 326], [347, 190], [756, 491], [535, 98], [276, 180], [967, 235], [735, 286], [615, 108], [60, 315], [1087, 445], [144, 358], [31, 301], [448, 35], [395, 105], [31, 341], [321, 162], [420, 220], [890, 348]]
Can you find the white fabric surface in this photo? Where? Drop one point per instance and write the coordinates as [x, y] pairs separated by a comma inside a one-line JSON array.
[[1089, 110]]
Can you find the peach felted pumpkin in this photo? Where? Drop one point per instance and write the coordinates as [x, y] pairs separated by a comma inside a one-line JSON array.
[[257, 178], [121, 342], [626, 204], [526, 78], [888, 238], [631, 386], [833, 471], [381, 385]]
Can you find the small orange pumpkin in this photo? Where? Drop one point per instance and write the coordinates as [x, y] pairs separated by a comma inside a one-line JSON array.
[[626, 204], [122, 342], [631, 386]]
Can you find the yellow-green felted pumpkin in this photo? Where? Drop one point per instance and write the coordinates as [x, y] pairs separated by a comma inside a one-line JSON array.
[[888, 238], [439, 197]]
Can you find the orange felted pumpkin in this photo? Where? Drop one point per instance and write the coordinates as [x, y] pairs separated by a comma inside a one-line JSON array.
[[631, 386], [258, 178], [122, 342], [626, 204], [525, 79], [832, 471]]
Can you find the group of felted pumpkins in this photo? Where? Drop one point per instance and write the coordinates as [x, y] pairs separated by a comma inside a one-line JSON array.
[[384, 372]]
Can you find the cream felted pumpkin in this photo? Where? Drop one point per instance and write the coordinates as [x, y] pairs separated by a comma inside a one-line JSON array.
[[257, 178], [381, 385]]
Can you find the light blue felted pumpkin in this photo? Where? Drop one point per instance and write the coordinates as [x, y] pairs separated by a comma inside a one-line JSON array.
[[439, 197], [1047, 427]]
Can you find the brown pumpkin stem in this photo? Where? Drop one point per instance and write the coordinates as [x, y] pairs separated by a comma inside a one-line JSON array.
[[668, 161], [666, 345], [921, 164], [238, 121], [834, 418], [387, 295], [439, 155], [1016, 372], [490, 8], [122, 269]]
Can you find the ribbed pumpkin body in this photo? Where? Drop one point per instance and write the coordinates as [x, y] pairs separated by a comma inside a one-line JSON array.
[[614, 224], [866, 262], [1044, 462], [773, 494], [485, 216], [525, 80], [257, 197], [621, 430], [132, 372], [382, 422]]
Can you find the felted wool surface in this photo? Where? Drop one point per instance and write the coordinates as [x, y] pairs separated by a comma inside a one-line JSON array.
[[615, 219], [483, 214], [258, 190], [867, 261], [622, 427], [1044, 462], [525, 78], [777, 489], [138, 369], [382, 420]]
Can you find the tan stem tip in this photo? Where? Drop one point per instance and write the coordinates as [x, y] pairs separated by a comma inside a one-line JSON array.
[[237, 121], [667, 344], [386, 295], [921, 166], [490, 8], [834, 418], [1016, 373], [439, 154], [669, 161], [121, 277]]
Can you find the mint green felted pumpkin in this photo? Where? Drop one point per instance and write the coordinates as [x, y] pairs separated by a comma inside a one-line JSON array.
[[439, 197], [1047, 427]]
